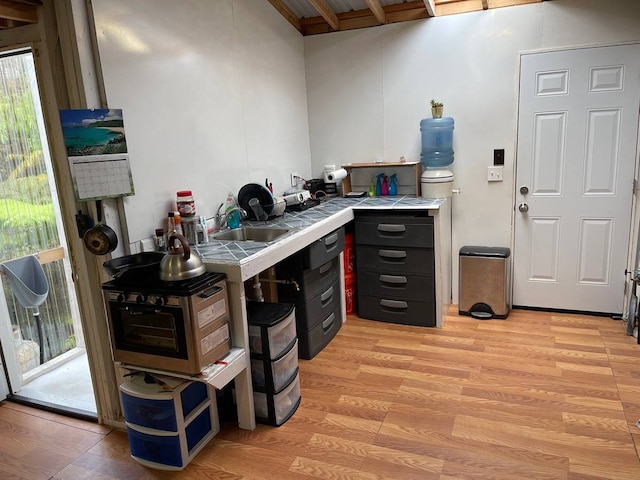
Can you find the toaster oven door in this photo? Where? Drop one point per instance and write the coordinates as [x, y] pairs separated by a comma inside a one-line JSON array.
[[149, 330]]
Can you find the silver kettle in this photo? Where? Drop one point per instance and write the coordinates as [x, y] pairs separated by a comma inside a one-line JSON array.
[[180, 263]]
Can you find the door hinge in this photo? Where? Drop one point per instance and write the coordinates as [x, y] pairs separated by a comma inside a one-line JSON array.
[[635, 186]]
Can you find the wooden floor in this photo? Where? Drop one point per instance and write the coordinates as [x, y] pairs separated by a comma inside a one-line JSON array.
[[536, 396]]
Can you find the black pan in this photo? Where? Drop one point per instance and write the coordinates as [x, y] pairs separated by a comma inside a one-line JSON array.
[[100, 239], [139, 265]]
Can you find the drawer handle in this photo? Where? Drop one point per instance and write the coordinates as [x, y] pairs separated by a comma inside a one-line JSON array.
[[395, 254], [210, 292], [395, 279], [391, 228], [326, 296], [325, 268], [330, 240], [394, 304], [326, 325]]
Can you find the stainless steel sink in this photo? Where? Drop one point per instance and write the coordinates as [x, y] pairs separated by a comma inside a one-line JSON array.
[[251, 234]]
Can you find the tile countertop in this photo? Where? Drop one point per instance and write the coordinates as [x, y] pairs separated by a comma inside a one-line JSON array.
[[242, 260]]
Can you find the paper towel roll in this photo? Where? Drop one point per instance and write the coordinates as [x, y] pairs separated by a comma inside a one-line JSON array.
[[334, 175]]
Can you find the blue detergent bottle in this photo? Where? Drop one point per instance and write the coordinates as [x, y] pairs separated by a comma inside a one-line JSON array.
[[393, 187]]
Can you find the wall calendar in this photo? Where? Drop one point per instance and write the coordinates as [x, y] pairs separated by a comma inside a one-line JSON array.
[[97, 152]]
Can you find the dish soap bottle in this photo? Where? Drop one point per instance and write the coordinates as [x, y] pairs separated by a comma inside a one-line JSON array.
[[393, 187], [385, 186], [233, 218], [372, 188]]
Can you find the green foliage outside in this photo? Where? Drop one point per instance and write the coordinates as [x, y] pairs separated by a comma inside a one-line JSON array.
[[27, 215]]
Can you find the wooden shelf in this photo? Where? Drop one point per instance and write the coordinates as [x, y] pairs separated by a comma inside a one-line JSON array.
[[360, 175]]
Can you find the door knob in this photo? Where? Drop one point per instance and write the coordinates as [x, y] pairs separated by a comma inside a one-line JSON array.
[[523, 207]]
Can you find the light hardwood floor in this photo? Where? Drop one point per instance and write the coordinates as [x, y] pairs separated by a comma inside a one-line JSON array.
[[536, 396]]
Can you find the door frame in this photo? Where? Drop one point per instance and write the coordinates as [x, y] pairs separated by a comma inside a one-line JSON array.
[[634, 231], [61, 84]]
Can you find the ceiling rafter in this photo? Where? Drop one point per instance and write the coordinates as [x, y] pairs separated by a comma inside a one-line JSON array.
[[18, 13], [377, 10], [431, 7], [331, 19], [286, 13], [327, 13]]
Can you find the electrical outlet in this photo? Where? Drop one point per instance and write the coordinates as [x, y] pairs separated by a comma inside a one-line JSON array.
[[494, 174], [294, 179]]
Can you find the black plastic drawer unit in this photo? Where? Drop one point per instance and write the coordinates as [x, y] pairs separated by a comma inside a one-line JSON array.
[[396, 310], [394, 260], [395, 230], [408, 285], [323, 250], [318, 308], [395, 267], [312, 283], [274, 361], [312, 341]]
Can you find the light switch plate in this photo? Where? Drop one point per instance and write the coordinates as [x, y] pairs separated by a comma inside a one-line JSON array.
[[494, 174]]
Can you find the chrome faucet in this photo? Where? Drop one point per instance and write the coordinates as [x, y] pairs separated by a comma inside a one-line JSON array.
[[221, 220]]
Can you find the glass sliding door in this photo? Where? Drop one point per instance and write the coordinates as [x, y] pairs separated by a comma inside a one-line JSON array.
[[44, 354]]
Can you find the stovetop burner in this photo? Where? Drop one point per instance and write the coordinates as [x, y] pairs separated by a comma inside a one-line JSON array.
[[153, 284]]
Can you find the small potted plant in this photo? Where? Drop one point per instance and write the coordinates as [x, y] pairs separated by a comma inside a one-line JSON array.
[[436, 109]]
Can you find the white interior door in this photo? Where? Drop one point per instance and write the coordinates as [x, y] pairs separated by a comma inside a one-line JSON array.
[[577, 136]]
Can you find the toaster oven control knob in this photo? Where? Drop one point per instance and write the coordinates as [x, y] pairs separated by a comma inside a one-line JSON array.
[[121, 298], [160, 301], [141, 299]]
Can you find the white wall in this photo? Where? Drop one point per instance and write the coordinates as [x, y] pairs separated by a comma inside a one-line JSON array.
[[213, 96], [368, 90]]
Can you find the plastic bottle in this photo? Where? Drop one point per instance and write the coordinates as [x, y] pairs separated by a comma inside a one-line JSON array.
[[178, 222], [185, 203], [160, 240], [437, 142], [372, 187], [393, 187], [385, 186], [379, 184], [233, 218], [171, 223]]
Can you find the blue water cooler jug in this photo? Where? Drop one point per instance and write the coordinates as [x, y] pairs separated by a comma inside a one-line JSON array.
[[437, 142]]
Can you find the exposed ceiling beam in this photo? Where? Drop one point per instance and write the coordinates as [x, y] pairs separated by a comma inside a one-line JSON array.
[[325, 12], [378, 11], [286, 13], [431, 7], [399, 12], [19, 12]]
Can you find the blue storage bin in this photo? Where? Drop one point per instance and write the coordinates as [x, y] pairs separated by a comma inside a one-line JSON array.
[[192, 397], [167, 427], [198, 429], [158, 414], [160, 449], [148, 405]]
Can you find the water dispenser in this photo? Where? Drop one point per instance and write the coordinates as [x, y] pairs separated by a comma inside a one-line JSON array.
[[437, 142]]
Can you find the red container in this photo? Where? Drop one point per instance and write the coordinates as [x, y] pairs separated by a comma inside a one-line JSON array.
[[349, 254], [350, 293]]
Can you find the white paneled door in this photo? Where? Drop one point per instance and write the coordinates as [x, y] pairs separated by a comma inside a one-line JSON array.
[[577, 137]]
